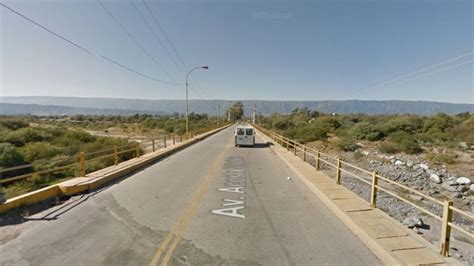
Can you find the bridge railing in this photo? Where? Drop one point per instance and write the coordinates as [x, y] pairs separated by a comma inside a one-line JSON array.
[[372, 179], [78, 164]]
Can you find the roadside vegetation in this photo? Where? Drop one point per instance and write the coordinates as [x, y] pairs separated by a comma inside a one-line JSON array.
[[54, 141], [391, 134]]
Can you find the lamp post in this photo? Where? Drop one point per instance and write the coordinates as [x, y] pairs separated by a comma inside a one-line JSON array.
[[187, 77]]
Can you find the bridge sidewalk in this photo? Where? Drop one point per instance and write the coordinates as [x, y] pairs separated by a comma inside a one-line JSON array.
[[392, 242]]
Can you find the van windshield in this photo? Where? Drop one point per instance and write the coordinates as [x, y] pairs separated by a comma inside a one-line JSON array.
[[240, 131], [249, 131]]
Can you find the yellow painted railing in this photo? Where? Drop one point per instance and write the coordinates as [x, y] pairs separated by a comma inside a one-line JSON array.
[[81, 160], [340, 166]]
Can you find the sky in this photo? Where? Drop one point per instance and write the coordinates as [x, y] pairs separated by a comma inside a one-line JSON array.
[[266, 50]]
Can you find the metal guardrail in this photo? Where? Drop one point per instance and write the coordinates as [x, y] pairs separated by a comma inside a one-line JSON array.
[[448, 209], [83, 157]]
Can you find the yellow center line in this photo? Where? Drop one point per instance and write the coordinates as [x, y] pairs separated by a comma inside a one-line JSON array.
[[179, 228]]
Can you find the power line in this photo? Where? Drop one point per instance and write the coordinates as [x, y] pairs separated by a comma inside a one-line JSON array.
[[397, 78], [48, 30], [198, 87], [164, 33], [154, 34], [160, 42], [134, 40], [84, 49], [433, 72]]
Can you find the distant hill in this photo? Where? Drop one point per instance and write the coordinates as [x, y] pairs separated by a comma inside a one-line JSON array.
[[129, 106], [36, 109]]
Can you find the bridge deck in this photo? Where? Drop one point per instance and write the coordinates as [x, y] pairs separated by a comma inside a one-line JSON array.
[[390, 240]]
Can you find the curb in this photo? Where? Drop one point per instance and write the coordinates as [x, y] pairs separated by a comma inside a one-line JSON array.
[[99, 178]]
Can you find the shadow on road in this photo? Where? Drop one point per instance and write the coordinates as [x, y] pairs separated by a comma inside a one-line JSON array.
[[57, 206], [257, 146]]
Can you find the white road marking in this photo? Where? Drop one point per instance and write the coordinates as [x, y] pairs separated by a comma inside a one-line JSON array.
[[232, 212], [235, 183], [233, 189]]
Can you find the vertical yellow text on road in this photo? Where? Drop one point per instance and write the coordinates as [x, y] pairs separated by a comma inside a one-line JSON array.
[[167, 247]]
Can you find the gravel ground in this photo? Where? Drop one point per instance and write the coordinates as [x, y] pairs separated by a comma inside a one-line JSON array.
[[416, 176]]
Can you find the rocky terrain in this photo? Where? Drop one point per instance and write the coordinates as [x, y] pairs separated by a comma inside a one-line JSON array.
[[433, 179]]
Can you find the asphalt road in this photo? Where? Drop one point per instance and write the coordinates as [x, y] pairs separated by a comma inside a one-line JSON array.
[[211, 203]]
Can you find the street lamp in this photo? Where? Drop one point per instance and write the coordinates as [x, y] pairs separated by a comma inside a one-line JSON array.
[[187, 77]]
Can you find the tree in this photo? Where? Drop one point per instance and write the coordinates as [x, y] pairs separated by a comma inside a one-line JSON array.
[[236, 111]]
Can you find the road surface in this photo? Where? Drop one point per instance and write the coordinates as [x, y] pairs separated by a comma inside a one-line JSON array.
[[211, 203]]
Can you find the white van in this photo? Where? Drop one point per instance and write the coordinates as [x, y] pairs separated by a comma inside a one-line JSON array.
[[244, 136]]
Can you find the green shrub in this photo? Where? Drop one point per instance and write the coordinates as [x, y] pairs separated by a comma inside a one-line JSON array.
[[40, 150], [9, 157], [282, 124], [439, 122], [388, 147], [400, 142], [347, 144], [365, 131], [308, 134], [12, 123], [328, 123], [408, 124]]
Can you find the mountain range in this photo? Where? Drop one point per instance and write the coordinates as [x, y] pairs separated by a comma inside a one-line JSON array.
[[46, 105]]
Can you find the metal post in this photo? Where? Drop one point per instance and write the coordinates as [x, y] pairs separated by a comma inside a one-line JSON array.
[[304, 153], [164, 141], [373, 193], [446, 228], [82, 164], [180, 138], [187, 103], [187, 78], [174, 139], [318, 156], [138, 150], [153, 144], [116, 157], [294, 147], [288, 145], [338, 171]]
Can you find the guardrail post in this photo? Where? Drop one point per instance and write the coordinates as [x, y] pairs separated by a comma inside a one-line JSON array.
[[318, 162], [446, 228], [288, 145], [116, 157], [153, 144], [294, 147], [180, 138], [174, 139], [373, 193], [138, 150], [304, 153], [82, 164], [338, 172], [164, 141]]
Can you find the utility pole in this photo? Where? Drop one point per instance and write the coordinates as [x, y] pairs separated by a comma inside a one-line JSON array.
[[254, 113], [187, 83]]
